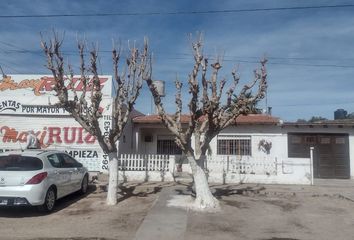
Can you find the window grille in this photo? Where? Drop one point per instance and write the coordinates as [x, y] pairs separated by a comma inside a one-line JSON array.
[[168, 146], [234, 145]]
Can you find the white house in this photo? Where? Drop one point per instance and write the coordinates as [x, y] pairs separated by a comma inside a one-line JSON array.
[[261, 148]]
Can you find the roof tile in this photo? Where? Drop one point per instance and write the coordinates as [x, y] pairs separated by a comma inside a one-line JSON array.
[[242, 119]]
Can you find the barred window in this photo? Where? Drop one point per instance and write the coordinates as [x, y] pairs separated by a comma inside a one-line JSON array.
[[168, 146], [234, 145]]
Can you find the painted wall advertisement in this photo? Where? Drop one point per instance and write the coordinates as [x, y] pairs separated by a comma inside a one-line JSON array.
[[27, 103]]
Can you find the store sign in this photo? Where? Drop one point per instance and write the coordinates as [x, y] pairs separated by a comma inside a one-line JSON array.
[[48, 136], [42, 109], [15, 107], [9, 105], [42, 84], [29, 103]]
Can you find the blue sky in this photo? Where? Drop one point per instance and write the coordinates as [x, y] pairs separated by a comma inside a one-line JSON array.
[[311, 52]]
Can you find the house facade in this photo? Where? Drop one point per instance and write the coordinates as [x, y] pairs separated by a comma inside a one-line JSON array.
[[262, 148]]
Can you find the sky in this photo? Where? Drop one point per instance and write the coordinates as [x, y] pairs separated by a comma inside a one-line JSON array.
[[310, 51]]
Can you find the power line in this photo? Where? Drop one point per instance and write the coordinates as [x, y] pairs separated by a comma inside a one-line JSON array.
[[235, 58], [178, 12], [9, 67], [275, 63], [73, 52], [313, 104]]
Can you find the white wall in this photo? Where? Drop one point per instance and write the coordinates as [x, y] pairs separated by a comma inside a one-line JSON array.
[[289, 170]]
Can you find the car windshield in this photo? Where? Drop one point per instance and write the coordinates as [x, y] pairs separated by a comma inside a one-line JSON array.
[[20, 163]]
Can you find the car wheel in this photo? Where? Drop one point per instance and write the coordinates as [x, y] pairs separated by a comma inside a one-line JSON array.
[[49, 202], [84, 185]]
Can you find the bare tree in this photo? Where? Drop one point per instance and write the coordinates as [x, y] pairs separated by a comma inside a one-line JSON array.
[[84, 106], [208, 114]]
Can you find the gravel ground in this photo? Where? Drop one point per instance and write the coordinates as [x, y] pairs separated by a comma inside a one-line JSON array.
[[248, 212], [83, 217], [256, 213]]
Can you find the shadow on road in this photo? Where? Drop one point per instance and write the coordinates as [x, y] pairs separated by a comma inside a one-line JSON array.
[[24, 212], [223, 191], [128, 191], [220, 191]]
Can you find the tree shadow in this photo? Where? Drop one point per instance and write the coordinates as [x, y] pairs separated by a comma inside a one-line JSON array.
[[186, 189], [220, 191], [32, 211], [228, 190], [131, 190]]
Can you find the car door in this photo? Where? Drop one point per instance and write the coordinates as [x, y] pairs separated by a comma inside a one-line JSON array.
[[74, 170], [61, 176]]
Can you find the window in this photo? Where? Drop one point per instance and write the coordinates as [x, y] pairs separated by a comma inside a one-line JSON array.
[[234, 145], [168, 146], [54, 160], [20, 163], [69, 162]]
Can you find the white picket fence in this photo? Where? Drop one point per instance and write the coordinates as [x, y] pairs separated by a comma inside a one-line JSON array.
[[223, 163], [144, 162], [146, 167], [220, 169], [242, 165]]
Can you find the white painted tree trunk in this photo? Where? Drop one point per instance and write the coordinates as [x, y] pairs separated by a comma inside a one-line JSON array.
[[205, 201], [113, 179]]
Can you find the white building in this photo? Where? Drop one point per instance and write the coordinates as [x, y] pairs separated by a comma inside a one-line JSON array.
[[261, 148]]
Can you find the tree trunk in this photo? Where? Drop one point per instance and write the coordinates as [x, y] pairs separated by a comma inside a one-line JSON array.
[[113, 179], [204, 198]]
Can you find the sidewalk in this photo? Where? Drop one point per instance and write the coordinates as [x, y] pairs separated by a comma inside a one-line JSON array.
[[163, 222]]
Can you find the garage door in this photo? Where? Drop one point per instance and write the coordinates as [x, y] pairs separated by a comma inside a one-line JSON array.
[[331, 154]]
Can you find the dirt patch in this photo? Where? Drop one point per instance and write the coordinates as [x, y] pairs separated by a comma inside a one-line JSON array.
[[288, 214], [280, 238], [78, 238], [80, 217], [236, 204], [284, 205]]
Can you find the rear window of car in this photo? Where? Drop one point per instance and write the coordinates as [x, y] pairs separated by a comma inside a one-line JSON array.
[[20, 163]]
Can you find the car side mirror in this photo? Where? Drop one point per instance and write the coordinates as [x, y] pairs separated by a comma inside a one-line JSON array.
[[80, 165]]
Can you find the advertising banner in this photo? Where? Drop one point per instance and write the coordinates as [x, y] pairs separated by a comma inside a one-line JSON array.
[[27, 103]]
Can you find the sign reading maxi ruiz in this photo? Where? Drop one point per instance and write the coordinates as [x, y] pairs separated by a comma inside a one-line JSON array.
[[28, 103], [33, 94]]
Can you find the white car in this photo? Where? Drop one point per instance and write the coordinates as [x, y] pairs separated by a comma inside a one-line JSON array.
[[39, 178]]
